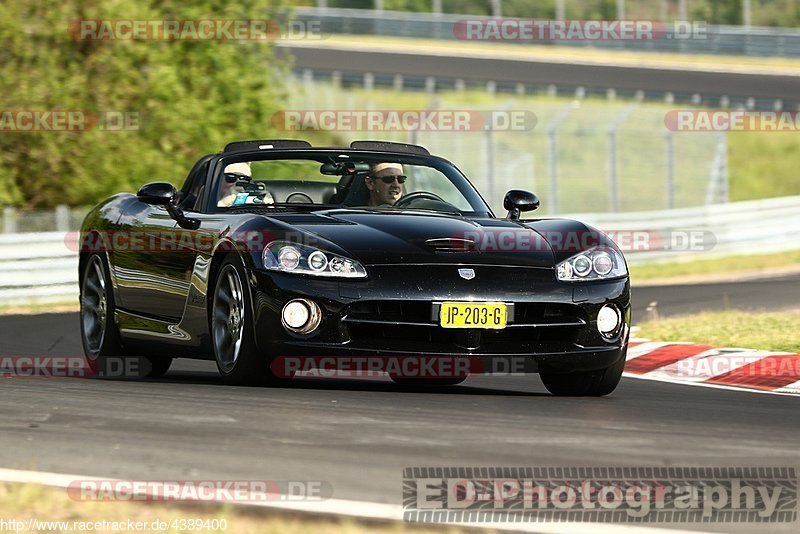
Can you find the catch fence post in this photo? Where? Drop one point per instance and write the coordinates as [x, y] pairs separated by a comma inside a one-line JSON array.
[[9, 220], [62, 218], [669, 138], [552, 152], [613, 154]]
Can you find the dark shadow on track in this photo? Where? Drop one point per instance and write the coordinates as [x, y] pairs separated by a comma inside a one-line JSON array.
[[336, 384]]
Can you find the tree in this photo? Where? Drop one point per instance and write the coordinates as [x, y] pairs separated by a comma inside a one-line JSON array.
[[190, 97]]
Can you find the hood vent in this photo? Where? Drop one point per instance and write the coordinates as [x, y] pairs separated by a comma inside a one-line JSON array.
[[452, 244]]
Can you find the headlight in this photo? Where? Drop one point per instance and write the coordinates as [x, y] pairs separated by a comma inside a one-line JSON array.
[[598, 263], [302, 259]]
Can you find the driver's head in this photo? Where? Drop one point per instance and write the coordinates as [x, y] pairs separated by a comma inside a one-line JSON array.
[[385, 183], [227, 190]]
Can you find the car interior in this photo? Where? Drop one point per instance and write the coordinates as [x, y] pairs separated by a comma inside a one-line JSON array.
[[272, 181]]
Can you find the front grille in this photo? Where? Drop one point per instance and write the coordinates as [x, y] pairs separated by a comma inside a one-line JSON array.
[[534, 328], [547, 314], [412, 311]]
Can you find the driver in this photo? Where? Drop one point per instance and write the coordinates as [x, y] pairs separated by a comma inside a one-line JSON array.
[[385, 183]]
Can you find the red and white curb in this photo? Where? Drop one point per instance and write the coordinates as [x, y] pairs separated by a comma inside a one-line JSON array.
[[703, 365]]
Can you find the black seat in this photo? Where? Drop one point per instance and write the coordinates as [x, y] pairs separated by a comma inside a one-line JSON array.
[[341, 189], [195, 182], [357, 194]]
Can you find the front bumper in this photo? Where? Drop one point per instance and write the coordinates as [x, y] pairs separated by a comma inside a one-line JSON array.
[[391, 313]]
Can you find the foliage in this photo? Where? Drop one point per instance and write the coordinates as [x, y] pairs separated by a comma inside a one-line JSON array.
[[191, 97]]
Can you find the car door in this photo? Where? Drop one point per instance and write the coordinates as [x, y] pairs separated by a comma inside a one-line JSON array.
[[148, 266], [155, 264]]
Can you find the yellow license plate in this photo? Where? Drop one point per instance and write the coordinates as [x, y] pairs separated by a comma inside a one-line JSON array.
[[473, 315]]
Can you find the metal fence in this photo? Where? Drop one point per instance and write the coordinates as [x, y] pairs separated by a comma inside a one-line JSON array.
[[583, 155], [38, 267], [725, 40]]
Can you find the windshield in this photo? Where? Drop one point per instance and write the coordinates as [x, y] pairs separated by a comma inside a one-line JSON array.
[[337, 182]]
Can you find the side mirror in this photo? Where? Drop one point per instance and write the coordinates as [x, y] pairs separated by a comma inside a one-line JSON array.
[[517, 201], [164, 194], [157, 194]]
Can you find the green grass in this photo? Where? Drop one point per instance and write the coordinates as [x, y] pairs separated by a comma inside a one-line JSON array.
[[62, 306], [763, 164], [710, 267], [756, 330], [22, 502]]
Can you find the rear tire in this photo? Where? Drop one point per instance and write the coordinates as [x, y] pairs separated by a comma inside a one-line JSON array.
[[585, 383], [232, 327]]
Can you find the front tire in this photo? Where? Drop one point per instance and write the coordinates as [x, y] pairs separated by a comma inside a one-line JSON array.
[[233, 331], [99, 333], [585, 383]]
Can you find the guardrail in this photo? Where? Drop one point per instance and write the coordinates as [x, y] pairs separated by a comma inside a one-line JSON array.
[[723, 40], [748, 227], [38, 267], [43, 267]]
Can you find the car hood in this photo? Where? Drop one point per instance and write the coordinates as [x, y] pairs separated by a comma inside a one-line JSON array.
[[380, 238]]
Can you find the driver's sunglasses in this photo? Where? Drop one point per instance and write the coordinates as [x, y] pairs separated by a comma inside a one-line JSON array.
[[389, 179]]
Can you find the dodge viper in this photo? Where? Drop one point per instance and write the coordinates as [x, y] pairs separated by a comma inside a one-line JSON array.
[[277, 257]]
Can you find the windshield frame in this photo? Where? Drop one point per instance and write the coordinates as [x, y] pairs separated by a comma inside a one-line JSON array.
[[450, 171]]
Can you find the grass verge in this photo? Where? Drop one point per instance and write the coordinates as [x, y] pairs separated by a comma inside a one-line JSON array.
[[20, 502], [776, 331], [717, 266], [65, 306]]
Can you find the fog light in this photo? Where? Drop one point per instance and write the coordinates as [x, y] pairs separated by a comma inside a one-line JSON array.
[[301, 316], [608, 319]]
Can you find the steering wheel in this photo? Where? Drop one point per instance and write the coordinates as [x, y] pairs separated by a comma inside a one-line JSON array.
[[417, 195], [298, 194]]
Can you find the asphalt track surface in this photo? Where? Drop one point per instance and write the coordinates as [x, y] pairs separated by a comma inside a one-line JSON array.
[[656, 80], [775, 293], [358, 435]]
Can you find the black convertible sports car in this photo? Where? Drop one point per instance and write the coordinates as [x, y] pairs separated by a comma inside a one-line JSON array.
[[277, 257]]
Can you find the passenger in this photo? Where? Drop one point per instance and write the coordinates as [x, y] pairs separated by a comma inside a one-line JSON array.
[[228, 190]]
